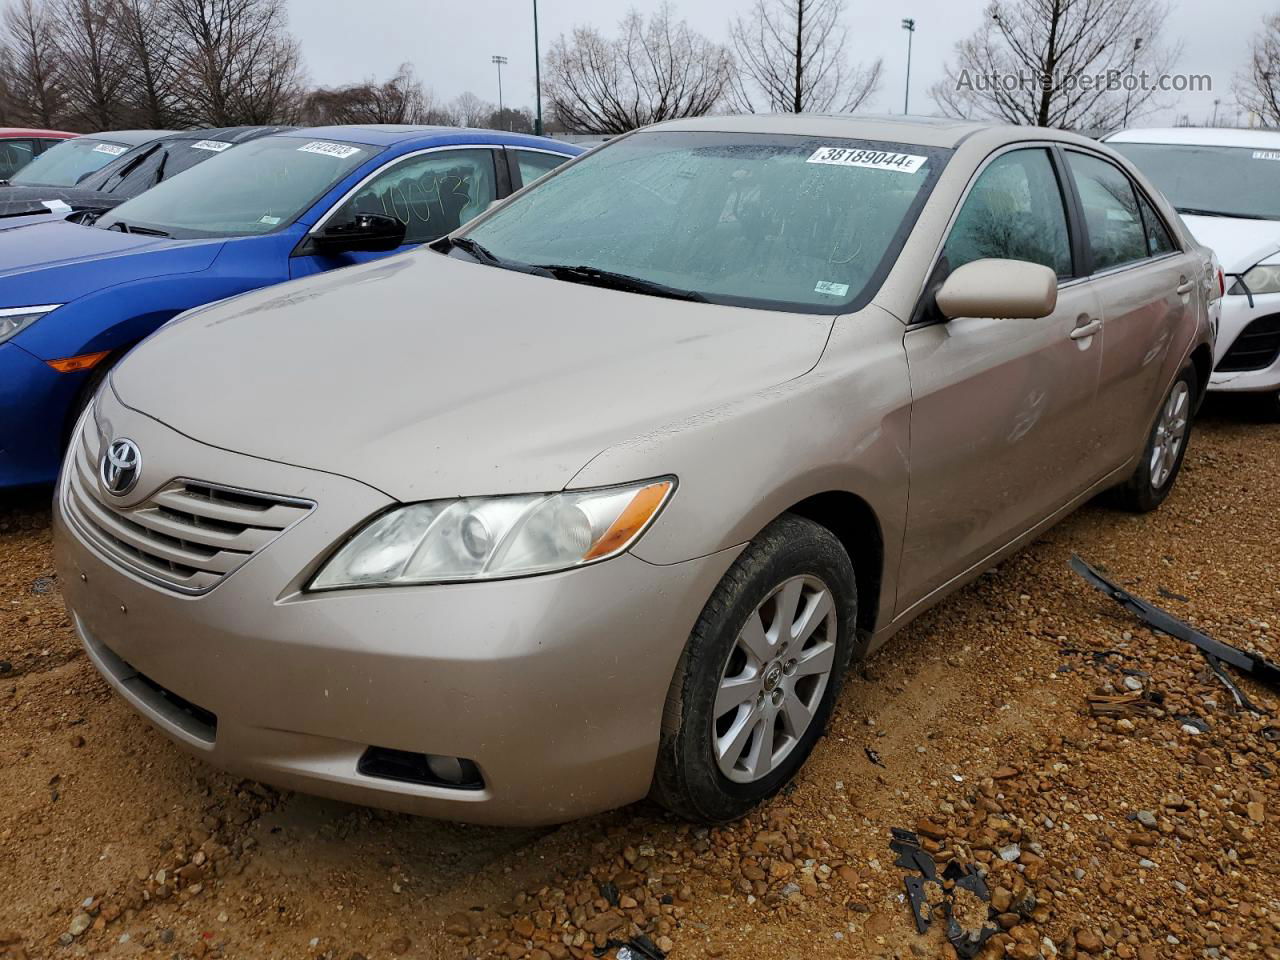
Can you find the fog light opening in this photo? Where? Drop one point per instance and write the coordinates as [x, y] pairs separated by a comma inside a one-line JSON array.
[[425, 769]]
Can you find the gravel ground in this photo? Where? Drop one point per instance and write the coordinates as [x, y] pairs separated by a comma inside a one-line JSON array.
[[1152, 832]]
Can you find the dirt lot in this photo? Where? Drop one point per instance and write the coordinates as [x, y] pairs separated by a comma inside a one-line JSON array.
[[1131, 836]]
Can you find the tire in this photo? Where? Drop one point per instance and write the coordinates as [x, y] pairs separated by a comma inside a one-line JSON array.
[[1155, 476], [698, 775]]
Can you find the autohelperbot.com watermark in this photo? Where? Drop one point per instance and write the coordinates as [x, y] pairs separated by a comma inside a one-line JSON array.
[[1124, 81]]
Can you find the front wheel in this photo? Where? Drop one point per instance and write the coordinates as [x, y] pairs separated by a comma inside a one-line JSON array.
[[1165, 449], [759, 675]]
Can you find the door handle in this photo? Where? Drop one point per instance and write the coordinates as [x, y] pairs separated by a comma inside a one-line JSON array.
[[1185, 286], [1086, 330]]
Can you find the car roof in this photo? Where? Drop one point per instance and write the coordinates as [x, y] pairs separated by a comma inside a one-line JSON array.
[[10, 133], [227, 134], [924, 131], [1199, 136], [392, 134]]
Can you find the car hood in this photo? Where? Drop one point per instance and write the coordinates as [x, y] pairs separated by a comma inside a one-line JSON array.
[[23, 201], [1239, 243], [60, 262], [428, 377]]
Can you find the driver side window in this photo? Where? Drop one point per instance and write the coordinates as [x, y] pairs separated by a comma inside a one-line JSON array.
[[431, 194], [1013, 212]]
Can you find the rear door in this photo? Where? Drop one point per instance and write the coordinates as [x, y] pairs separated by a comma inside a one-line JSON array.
[[1004, 412], [432, 192], [1145, 287]]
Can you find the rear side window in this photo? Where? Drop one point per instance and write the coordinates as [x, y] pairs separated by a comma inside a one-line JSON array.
[[1015, 211], [14, 155], [431, 194], [1112, 220], [534, 164], [1158, 240]]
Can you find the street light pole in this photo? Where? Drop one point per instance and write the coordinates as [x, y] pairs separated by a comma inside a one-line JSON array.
[[1215, 113], [1133, 62], [499, 61], [909, 25], [537, 73]]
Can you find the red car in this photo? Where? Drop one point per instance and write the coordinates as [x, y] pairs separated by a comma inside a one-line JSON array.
[[19, 146]]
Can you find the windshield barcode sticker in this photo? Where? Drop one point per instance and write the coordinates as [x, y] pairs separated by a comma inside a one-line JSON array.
[[217, 146], [1266, 155], [110, 149], [340, 150], [873, 159], [832, 289]]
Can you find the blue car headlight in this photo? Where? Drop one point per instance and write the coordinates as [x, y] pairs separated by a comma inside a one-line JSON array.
[[16, 319]]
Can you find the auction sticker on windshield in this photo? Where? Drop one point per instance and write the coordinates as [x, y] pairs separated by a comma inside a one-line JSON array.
[[339, 150], [872, 159], [217, 146], [110, 149]]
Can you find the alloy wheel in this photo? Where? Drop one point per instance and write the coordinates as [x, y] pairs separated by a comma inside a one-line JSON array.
[[1171, 431], [774, 679]]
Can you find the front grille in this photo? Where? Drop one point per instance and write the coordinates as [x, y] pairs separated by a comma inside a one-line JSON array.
[[1257, 347], [189, 535]]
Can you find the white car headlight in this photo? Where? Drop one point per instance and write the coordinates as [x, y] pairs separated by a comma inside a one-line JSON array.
[[1262, 278], [491, 538], [16, 319]]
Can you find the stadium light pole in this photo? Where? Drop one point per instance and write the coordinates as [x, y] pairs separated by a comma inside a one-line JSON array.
[[537, 73], [909, 25], [499, 61]]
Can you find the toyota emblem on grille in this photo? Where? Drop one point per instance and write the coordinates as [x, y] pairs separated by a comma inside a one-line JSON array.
[[120, 467]]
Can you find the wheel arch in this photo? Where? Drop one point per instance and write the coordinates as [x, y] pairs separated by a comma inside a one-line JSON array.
[[1202, 361], [854, 522]]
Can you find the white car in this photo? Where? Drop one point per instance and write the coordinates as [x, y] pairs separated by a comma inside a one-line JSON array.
[[1226, 185]]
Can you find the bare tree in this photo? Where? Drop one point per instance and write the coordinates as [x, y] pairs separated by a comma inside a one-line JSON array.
[[468, 110], [791, 59], [652, 71], [400, 99], [237, 62], [1258, 89], [95, 62], [37, 79], [146, 31], [1071, 64]]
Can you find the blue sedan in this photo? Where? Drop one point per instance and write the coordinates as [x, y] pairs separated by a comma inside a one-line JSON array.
[[74, 297]]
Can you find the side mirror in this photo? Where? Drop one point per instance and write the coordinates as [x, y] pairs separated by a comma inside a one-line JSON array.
[[1004, 289], [365, 233]]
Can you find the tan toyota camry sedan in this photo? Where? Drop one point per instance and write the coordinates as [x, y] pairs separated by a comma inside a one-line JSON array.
[[599, 497]]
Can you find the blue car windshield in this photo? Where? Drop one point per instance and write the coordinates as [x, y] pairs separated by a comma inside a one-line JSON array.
[[254, 189], [68, 163], [779, 222]]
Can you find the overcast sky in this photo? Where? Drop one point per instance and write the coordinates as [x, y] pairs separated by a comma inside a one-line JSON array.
[[450, 44]]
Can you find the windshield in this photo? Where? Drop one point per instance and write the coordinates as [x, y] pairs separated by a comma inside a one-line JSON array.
[[1211, 181], [781, 222], [142, 168], [65, 164], [256, 188]]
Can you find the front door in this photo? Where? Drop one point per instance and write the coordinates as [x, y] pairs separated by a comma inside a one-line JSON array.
[[1003, 428], [433, 193]]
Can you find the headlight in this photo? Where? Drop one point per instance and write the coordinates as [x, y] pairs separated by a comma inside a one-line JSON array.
[[490, 538], [17, 319], [1264, 278]]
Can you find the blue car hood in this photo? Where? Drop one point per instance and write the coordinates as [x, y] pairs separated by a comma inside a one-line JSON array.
[[60, 262]]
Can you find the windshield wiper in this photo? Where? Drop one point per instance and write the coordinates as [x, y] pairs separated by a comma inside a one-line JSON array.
[[164, 158], [619, 281], [483, 254], [1199, 212], [123, 227]]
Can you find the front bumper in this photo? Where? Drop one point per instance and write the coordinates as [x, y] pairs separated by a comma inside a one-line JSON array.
[[553, 686], [34, 404], [1237, 315]]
